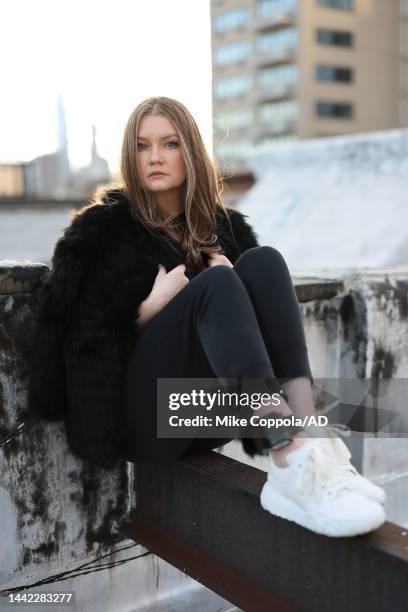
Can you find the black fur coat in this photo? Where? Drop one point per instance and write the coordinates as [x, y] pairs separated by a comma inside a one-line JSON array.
[[103, 266]]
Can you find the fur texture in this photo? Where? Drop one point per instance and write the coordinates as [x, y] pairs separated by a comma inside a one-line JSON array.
[[103, 266]]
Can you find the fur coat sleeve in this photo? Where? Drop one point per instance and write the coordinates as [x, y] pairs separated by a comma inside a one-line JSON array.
[[85, 328], [86, 325]]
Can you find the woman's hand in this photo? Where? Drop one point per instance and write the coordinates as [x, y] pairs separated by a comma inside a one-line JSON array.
[[216, 259], [166, 285]]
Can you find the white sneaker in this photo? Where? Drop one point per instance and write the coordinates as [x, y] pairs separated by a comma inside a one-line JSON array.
[[311, 492], [352, 477]]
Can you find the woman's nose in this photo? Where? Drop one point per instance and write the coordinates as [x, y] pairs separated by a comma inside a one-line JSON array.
[[154, 155]]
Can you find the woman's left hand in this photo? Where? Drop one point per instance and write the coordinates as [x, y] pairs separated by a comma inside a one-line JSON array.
[[216, 259]]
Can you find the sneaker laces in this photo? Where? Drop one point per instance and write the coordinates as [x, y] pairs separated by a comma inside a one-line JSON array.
[[322, 467], [342, 466], [346, 468]]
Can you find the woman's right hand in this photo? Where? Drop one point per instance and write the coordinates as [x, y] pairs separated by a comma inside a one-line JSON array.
[[166, 285]]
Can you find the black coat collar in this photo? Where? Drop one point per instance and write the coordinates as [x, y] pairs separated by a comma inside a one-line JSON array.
[[121, 220]]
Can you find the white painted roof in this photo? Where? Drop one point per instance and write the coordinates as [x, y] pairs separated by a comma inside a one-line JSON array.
[[334, 202]]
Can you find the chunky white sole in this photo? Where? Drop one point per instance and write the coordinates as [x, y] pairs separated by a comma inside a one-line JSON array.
[[276, 503]]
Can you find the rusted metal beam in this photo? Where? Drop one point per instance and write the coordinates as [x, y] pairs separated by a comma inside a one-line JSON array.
[[202, 514], [213, 573]]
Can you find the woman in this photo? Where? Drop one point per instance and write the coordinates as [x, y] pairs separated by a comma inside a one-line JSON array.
[[158, 279]]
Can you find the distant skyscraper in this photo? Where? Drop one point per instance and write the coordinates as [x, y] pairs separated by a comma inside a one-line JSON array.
[[62, 148], [50, 173]]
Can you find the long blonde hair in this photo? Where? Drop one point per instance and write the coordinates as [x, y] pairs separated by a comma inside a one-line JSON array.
[[201, 191]]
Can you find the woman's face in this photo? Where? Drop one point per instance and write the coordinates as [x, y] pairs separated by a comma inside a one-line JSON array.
[[158, 150]]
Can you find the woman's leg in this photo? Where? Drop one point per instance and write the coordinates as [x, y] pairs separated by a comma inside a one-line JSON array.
[[209, 330], [267, 280], [266, 277]]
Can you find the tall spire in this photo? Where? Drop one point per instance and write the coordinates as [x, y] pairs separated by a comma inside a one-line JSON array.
[[62, 147], [98, 167], [94, 152]]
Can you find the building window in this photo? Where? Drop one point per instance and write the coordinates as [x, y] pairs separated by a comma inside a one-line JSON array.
[[334, 37], [234, 120], [277, 43], [229, 54], [337, 110], [230, 20], [232, 86], [343, 5], [277, 80], [334, 73], [279, 116], [275, 9]]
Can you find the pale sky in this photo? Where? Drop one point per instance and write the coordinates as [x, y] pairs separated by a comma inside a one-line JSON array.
[[104, 58]]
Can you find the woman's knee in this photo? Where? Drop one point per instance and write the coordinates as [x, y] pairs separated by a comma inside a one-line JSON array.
[[260, 255], [217, 275], [217, 280]]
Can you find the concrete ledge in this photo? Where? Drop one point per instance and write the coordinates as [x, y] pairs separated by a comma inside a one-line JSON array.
[[21, 277], [314, 288]]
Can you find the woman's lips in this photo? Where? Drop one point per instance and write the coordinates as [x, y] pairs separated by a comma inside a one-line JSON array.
[[157, 175]]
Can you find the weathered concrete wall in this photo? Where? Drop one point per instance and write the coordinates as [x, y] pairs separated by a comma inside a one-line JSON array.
[[363, 333], [373, 310], [57, 512], [382, 298]]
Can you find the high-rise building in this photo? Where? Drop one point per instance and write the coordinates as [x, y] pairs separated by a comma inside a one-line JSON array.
[[62, 148], [296, 69], [49, 174]]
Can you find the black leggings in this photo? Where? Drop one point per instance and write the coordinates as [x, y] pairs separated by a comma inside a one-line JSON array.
[[226, 322]]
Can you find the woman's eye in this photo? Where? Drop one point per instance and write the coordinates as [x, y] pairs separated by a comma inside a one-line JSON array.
[[140, 145]]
